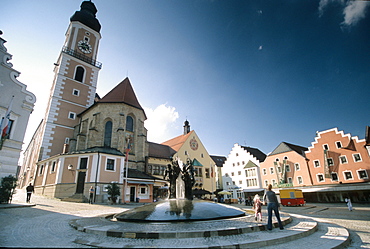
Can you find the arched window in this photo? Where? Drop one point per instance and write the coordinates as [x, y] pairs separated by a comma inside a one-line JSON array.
[[79, 75], [129, 124], [108, 134]]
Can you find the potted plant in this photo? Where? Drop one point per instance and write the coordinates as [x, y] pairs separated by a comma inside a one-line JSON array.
[[113, 192]]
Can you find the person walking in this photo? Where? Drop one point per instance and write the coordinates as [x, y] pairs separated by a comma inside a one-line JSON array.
[[272, 205], [91, 195], [30, 189], [349, 204], [257, 206]]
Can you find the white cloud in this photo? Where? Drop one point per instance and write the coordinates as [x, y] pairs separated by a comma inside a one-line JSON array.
[[323, 4], [354, 11], [161, 123]]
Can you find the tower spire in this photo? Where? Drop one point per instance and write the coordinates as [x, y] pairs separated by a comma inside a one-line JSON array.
[[186, 127]]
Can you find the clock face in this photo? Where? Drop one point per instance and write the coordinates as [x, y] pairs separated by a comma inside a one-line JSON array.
[[193, 144], [84, 46]]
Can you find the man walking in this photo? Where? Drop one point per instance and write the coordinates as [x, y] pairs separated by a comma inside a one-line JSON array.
[[272, 204], [30, 189]]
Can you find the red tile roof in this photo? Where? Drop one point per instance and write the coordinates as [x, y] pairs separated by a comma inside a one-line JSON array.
[[122, 93], [177, 142]]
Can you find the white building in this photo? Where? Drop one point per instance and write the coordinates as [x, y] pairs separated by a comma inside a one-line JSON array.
[[16, 105], [241, 171]]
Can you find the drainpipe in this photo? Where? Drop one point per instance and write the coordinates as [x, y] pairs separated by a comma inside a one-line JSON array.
[[96, 176]]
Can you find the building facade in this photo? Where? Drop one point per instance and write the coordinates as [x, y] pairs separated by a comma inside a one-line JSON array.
[[286, 166], [16, 106], [242, 166], [336, 166], [219, 161], [340, 167], [189, 146]]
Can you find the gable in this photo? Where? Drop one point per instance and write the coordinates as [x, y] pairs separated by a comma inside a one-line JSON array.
[[250, 164], [286, 147]]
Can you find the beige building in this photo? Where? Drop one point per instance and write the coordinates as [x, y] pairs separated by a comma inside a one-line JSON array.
[[189, 146], [16, 105]]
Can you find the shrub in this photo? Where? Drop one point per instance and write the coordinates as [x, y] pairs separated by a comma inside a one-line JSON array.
[[7, 188], [113, 191]]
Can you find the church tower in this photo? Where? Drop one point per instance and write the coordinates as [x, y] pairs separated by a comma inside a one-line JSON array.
[[75, 81]]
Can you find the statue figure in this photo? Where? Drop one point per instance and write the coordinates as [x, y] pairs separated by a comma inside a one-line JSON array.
[[188, 178], [187, 175], [171, 174]]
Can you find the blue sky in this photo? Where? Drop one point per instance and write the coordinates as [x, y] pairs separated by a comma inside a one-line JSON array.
[[255, 73]]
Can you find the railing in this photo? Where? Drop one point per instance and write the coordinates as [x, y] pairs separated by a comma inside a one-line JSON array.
[[82, 57]]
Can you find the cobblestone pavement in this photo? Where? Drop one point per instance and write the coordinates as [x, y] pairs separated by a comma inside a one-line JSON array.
[[357, 222], [46, 224]]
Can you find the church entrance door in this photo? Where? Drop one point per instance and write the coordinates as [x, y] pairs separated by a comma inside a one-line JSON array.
[[80, 182]]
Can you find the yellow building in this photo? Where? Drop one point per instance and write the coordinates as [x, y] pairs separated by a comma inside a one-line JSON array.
[[189, 146]]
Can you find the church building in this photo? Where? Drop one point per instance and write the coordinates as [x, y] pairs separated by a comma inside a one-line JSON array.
[[85, 140]]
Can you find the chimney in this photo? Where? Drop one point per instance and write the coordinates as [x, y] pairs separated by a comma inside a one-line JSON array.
[[65, 148]]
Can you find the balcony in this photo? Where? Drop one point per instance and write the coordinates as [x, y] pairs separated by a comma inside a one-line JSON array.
[[82, 57]]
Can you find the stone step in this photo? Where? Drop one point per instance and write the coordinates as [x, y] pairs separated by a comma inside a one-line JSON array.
[[299, 231], [172, 230], [246, 240], [80, 198], [328, 235]]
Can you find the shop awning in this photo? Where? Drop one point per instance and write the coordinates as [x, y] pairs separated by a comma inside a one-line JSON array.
[[196, 163], [253, 190]]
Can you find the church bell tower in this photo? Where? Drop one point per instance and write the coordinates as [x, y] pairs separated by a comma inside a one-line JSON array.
[[75, 81]]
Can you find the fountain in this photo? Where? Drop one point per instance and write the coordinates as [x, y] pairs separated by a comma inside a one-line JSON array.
[[178, 222], [180, 206]]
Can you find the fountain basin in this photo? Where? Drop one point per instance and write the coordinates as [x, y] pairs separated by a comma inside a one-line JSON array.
[[180, 210]]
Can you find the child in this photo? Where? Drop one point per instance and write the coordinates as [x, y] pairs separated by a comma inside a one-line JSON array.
[[257, 206]]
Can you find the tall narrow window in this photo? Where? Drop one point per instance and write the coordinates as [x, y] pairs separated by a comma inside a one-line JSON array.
[[108, 134], [79, 75], [53, 166], [83, 163], [129, 124], [41, 169]]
